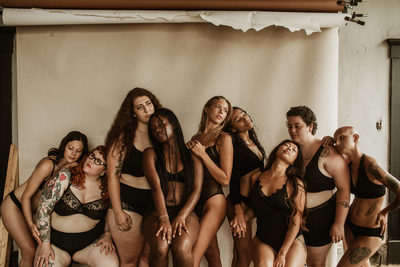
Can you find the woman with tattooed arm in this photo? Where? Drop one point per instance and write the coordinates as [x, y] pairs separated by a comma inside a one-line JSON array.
[[367, 221], [71, 216]]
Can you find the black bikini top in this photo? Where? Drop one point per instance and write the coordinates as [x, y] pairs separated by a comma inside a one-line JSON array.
[[315, 179], [69, 204], [133, 163], [51, 175], [177, 177], [364, 188]]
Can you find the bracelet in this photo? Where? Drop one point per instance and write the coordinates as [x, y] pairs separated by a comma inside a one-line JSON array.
[[162, 216]]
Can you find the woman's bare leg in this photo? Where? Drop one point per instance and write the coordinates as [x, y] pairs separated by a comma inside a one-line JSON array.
[[130, 243], [297, 254], [91, 256], [359, 251], [213, 215], [15, 223], [263, 255]]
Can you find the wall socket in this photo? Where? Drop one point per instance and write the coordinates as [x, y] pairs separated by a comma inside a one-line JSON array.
[[379, 124]]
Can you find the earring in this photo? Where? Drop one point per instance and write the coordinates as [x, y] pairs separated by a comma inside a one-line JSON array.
[[102, 174]]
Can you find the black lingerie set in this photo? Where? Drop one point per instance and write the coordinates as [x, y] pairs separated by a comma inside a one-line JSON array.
[[244, 161], [14, 197], [134, 199], [364, 188], [320, 218], [210, 186], [69, 204], [273, 215]]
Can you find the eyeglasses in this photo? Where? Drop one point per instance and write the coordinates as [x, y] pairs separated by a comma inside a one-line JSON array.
[[97, 161]]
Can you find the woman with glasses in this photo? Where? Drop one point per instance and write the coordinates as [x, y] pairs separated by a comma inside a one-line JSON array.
[[175, 176], [214, 148], [129, 191], [17, 207], [71, 216]]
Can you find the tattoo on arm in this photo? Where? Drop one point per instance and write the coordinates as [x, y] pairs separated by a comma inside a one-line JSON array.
[[52, 192], [118, 168], [392, 182], [345, 204], [389, 180], [371, 210], [359, 254], [374, 170], [325, 152]]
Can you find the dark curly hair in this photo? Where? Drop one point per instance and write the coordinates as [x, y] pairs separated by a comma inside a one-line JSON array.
[[293, 173], [306, 114], [124, 126], [71, 136], [184, 152], [78, 176], [252, 134]]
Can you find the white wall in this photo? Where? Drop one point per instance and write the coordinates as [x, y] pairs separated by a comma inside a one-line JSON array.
[[364, 74]]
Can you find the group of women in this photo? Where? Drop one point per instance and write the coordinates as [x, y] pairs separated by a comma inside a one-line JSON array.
[[147, 193]]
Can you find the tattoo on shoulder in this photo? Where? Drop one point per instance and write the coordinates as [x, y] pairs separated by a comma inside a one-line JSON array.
[[325, 152], [374, 170], [359, 254]]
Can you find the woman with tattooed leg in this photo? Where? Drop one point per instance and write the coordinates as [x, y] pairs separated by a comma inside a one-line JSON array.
[[328, 187], [214, 148], [248, 158], [175, 176], [277, 200], [129, 191], [367, 221], [23, 201], [71, 216]]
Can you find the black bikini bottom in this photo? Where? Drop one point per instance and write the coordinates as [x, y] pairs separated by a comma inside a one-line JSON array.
[[363, 231], [135, 199], [73, 242], [15, 200]]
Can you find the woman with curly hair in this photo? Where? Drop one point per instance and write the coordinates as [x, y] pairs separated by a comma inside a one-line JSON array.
[[17, 208], [277, 199], [214, 148], [71, 216], [176, 177], [249, 157], [129, 191]]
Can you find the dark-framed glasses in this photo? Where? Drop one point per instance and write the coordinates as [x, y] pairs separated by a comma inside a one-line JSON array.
[[96, 161]]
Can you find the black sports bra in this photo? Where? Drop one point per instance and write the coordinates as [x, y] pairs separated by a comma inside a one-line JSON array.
[[69, 204], [133, 163], [315, 179], [178, 177], [364, 188], [51, 175]]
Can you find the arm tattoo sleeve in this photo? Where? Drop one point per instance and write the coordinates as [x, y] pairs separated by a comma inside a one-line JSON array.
[[52, 192], [389, 180]]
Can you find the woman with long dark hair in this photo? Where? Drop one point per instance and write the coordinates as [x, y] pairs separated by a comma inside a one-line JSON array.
[[17, 208], [129, 190], [249, 157], [175, 176], [71, 216], [214, 148], [277, 199]]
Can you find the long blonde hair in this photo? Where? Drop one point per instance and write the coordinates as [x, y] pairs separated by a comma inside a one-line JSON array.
[[204, 120]]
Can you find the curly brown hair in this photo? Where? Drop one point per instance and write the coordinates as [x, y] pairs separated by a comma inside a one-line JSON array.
[[123, 129], [306, 114], [78, 176]]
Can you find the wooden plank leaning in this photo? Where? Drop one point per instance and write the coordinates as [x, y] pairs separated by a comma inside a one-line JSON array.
[[10, 184]]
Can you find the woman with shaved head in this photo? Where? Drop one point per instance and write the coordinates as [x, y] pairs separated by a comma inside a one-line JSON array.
[[366, 222]]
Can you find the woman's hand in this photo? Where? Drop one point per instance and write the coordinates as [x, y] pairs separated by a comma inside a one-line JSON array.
[[382, 221], [280, 260], [105, 243], [196, 147], [238, 225], [337, 232], [35, 233], [165, 229], [123, 221], [71, 165], [177, 225], [44, 254], [327, 141]]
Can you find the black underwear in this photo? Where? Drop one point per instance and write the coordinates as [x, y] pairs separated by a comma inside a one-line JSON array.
[[15, 200], [363, 231], [73, 242], [135, 199]]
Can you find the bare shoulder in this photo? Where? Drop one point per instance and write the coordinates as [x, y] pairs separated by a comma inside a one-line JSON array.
[[331, 157], [254, 177], [45, 165], [224, 137], [149, 152], [368, 161]]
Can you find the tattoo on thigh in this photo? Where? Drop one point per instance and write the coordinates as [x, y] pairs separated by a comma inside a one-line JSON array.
[[325, 152], [371, 210], [358, 254]]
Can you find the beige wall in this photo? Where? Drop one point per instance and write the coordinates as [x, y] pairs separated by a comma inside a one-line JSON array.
[[75, 77]]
